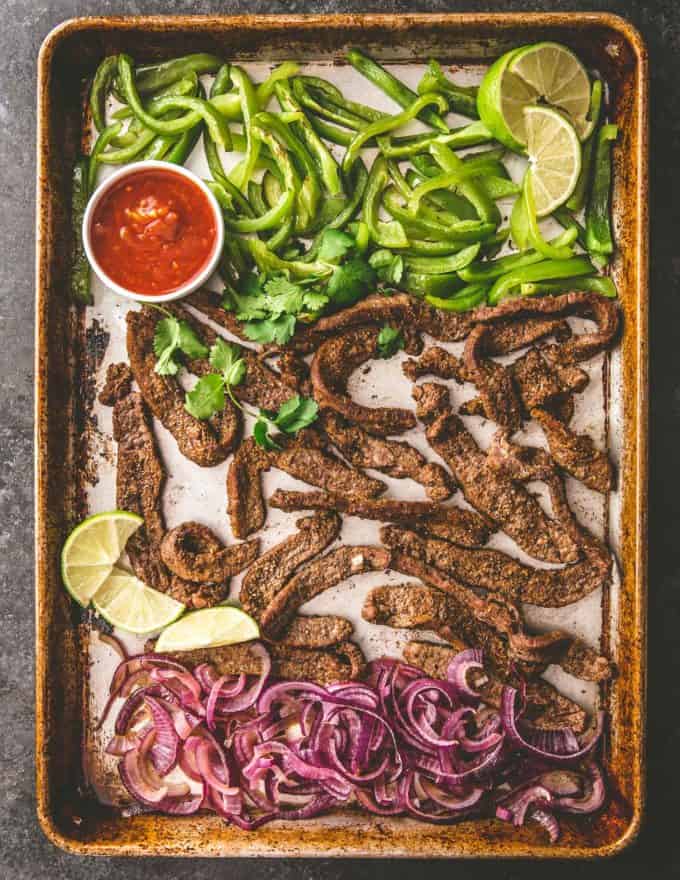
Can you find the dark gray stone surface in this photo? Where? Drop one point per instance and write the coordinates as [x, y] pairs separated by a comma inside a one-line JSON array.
[[24, 852]]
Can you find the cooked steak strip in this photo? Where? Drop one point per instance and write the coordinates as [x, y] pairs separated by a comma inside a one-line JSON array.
[[193, 552], [334, 362], [464, 526], [271, 571], [245, 504], [546, 708], [316, 632], [576, 453], [118, 384], [496, 571], [140, 478], [393, 457], [323, 667], [139, 484], [306, 459], [435, 361], [315, 577], [439, 607], [197, 440], [604, 312], [494, 382], [509, 335], [492, 493], [294, 371]]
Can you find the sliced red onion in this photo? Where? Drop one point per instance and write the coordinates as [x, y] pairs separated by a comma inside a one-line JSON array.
[[457, 672], [114, 643], [164, 750], [549, 822], [508, 715], [515, 806], [592, 800]]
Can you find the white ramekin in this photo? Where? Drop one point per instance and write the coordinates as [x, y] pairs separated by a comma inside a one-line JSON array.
[[103, 189]]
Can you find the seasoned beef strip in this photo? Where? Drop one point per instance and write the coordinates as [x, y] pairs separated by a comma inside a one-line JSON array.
[[334, 362], [576, 453], [454, 523], [316, 631], [271, 571], [197, 439], [496, 571], [494, 382], [342, 663], [118, 384], [604, 312], [209, 304], [492, 493], [245, 506], [393, 457], [315, 577], [438, 607], [435, 361], [139, 484], [193, 552], [140, 477], [546, 708]]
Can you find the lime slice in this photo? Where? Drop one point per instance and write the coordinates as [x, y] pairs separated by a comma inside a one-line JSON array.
[[554, 157], [126, 603], [544, 72], [92, 549], [208, 628]]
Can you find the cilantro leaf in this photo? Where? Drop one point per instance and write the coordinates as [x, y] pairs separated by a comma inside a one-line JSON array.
[[280, 287], [314, 300], [278, 330], [247, 307], [390, 341], [350, 281], [335, 245], [172, 337], [227, 360], [261, 434], [296, 413], [392, 273], [165, 344], [189, 342], [206, 398]]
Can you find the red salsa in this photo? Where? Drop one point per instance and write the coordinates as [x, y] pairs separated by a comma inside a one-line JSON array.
[[153, 231]]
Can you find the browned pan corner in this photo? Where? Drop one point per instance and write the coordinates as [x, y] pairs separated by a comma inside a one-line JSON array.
[[72, 50]]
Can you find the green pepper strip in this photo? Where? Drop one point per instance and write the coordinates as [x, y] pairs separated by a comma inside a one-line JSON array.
[[332, 94], [325, 99], [535, 238], [481, 272], [466, 298], [101, 86], [420, 248], [242, 173], [309, 189], [442, 265], [269, 263], [382, 126], [357, 184], [330, 132], [178, 149], [431, 285], [601, 284], [152, 77], [223, 197], [578, 198], [390, 234], [391, 86], [447, 180], [187, 86], [450, 163], [444, 199], [546, 270], [102, 142], [458, 138], [598, 225], [197, 107], [498, 187], [126, 154], [79, 278], [462, 231], [328, 167], [261, 127], [462, 99]]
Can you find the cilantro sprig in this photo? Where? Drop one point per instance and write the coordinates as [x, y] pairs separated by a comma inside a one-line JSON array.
[[292, 416], [390, 341], [172, 338], [209, 394]]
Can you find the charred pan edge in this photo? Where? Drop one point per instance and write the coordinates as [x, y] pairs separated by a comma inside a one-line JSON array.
[[139, 836]]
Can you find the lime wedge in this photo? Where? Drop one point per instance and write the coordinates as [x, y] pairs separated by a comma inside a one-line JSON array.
[[92, 549], [554, 157], [127, 603], [208, 628], [545, 72]]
